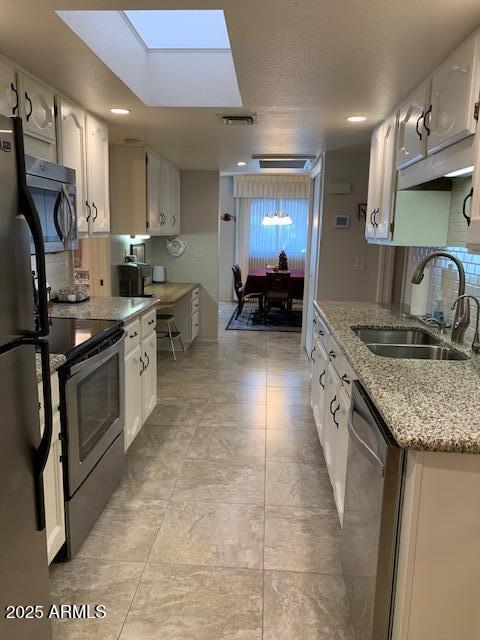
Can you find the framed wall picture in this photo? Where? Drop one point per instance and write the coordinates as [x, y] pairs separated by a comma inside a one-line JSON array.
[[138, 250]]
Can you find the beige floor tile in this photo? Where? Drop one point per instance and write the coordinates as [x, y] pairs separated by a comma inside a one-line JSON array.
[[126, 529], [286, 418], [294, 446], [233, 392], [148, 478], [93, 582], [196, 603], [228, 414], [211, 534], [238, 446], [305, 606], [162, 442], [288, 397], [293, 484], [299, 539], [220, 482], [179, 412], [289, 380]]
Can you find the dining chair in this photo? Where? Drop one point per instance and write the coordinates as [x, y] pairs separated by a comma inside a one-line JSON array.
[[277, 290], [240, 291]]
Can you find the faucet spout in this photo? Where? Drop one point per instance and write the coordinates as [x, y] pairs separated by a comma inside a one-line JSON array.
[[462, 311]]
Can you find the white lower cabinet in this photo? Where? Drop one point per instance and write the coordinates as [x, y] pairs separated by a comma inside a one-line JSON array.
[[149, 374], [319, 373], [53, 478], [140, 374], [341, 450], [332, 394], [133, 396]]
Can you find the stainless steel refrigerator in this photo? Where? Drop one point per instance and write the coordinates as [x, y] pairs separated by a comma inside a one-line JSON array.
[[23, 449]]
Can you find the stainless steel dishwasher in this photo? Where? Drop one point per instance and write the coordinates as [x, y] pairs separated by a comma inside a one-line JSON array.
[[371, 522]]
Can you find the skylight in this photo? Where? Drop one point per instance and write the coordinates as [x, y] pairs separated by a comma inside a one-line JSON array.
[[180, 29], [167, 58]]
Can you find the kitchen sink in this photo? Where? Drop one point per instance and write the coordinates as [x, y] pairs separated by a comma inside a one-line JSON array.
[[396, 336], [416, 351]]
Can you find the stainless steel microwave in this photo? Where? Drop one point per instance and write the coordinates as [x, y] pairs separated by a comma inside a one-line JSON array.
[[54, 194]]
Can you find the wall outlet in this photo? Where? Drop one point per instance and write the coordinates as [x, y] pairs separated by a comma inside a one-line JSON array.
[[199, 253], [359, 263]]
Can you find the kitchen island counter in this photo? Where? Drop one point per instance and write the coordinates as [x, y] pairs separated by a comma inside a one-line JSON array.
[[99, 308]]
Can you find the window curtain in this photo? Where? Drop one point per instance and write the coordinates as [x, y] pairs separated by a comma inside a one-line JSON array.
[[272, 186], [266, 242]]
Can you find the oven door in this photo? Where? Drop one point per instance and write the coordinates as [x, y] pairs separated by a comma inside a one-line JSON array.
[[56, 205], [94, 404]]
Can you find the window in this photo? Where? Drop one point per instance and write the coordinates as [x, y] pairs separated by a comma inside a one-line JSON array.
[[266, 242]]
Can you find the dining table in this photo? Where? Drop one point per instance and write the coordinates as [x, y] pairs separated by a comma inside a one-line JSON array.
[[257, 280]]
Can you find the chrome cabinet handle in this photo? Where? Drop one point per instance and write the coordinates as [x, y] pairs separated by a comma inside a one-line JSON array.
[[419, 133], [143, 365], [320, 378], [15, 107], [375, 223], [333, 416], [151, 322], [134, 335], [174, 220], [332, 354], [464, 208], [148, 360], [321, 333], [27, 98], [311, 354], [89, 215], [331, 403], [345, 378], [96, 212]]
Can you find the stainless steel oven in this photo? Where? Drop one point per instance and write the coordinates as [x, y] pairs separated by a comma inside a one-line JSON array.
[[92, 387], [54, 193]]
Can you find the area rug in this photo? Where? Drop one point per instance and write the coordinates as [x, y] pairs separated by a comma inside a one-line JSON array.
[[276, 320]]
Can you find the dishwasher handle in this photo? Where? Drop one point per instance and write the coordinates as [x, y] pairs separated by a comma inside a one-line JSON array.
[[366, 449]]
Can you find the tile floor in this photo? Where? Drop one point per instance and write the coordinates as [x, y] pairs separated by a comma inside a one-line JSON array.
[[224, 526]]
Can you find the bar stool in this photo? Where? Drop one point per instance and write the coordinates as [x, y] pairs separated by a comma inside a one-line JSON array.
[[170, 330]]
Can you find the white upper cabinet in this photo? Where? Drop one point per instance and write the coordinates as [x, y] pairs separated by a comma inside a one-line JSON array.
[[175, 182], [8, 90], [98, 201], [455, 88], [412, 136], [37, 108], [154, 219], [381, 180], [71, 153]]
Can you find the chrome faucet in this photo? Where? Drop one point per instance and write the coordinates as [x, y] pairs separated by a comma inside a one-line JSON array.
[[462, 312], [476, 337]]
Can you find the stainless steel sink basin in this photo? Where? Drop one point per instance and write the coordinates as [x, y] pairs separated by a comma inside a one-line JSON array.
[[395, 336], [416, 351]]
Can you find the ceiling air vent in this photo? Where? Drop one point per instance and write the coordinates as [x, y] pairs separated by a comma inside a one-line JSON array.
[[282, 161], [243, 120]]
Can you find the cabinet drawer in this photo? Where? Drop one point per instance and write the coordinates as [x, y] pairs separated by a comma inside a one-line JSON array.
[[195, 325], [346, 373], [133, 335], [148, 322]]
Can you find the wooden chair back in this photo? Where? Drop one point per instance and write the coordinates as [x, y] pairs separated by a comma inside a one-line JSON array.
[[237, 281], [277, 286]]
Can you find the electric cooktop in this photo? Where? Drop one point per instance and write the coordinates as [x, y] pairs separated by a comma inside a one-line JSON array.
[[74, 337]]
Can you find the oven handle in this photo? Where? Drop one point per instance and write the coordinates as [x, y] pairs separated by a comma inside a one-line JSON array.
[[368, 451], [98, 358]]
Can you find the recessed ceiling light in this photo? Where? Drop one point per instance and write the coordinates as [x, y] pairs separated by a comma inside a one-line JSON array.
[[120, 111], [356, 118], [242, 163]]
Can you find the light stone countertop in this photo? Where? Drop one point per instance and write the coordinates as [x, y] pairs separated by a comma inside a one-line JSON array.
[[430, 405], [98, 308], [169, 293], [56, 361]]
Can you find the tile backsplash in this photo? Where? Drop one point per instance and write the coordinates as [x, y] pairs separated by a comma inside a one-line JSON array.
[[59, 268]]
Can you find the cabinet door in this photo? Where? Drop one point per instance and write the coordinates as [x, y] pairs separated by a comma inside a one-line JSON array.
[[154, 219], [319, 373], [454, 93], [332, 391], [8, 90], [388, 173], [37, 108], [165, 198], [71, 141], [341, 450], [97, 174], [53, 494], [133, 396], [374, 181], [412, 136], [175, 200], [149, 375]]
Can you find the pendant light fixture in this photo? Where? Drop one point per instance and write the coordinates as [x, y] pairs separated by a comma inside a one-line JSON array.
[[276, 218]]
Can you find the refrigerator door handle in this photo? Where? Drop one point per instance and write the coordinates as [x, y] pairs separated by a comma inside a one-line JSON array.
[[41, 453], [27, 207]]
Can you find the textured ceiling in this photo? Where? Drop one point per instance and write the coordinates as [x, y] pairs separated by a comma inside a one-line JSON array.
[[302, 66]]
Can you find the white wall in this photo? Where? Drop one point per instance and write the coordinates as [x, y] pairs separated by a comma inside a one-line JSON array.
[[226, 239], [340, 249]]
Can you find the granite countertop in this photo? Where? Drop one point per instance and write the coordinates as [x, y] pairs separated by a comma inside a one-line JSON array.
[[169, 293], [98, 308], [56, 361], [428, 405]]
